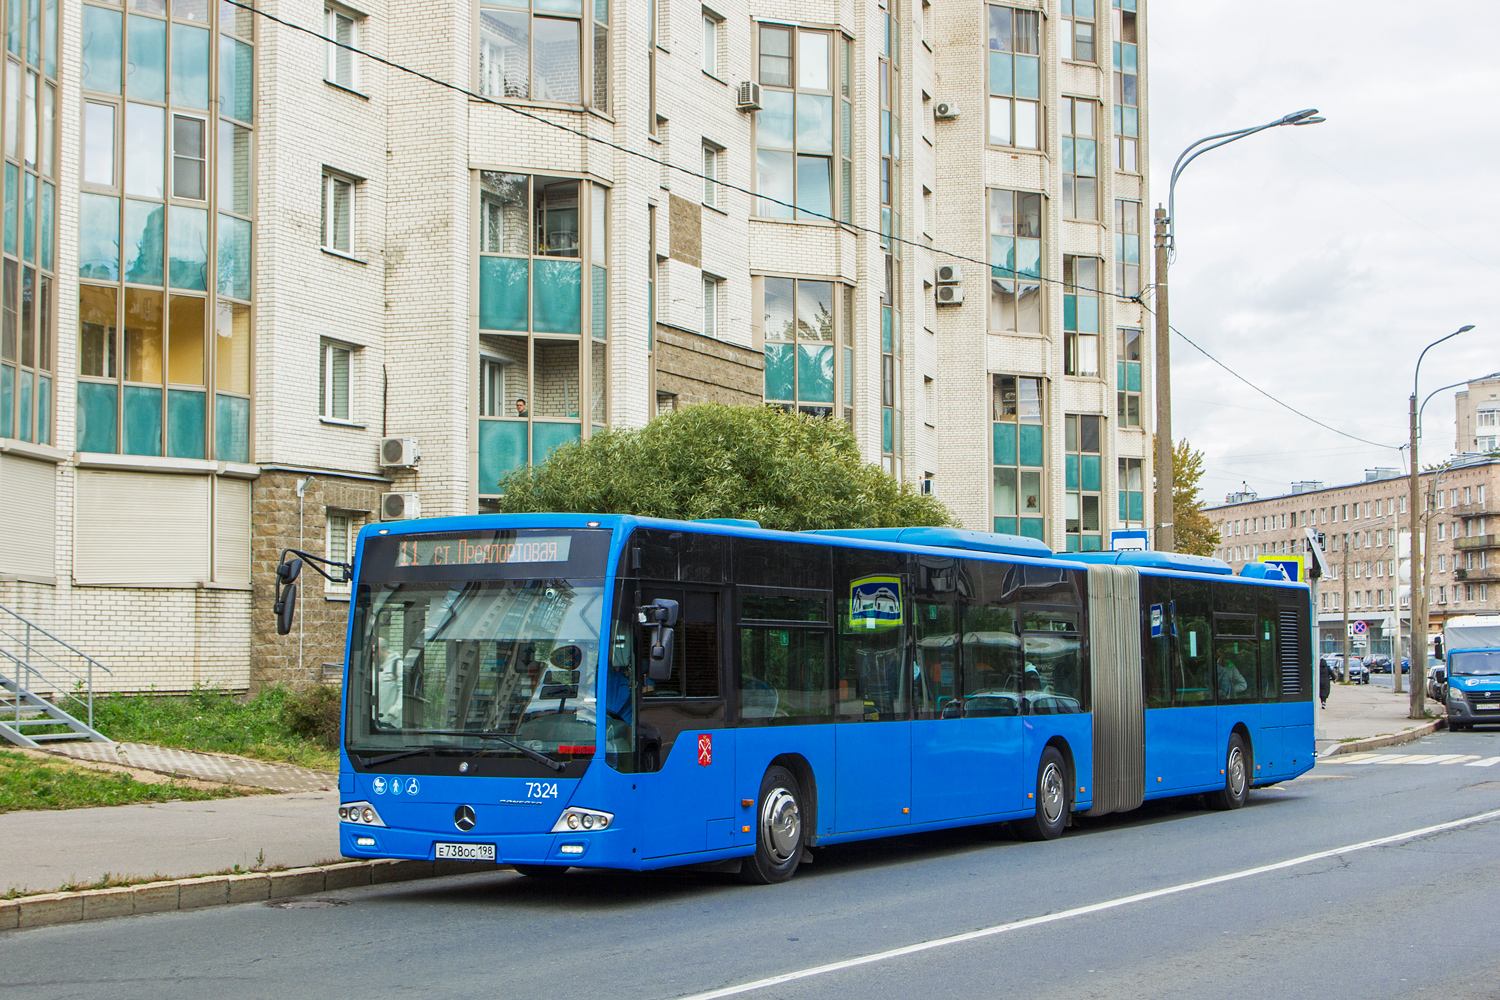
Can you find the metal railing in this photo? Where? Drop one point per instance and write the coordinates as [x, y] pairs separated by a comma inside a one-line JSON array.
[[23, 643]]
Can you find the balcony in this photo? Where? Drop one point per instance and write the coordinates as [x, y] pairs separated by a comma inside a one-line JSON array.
[[1490, 574], [1486, 509], [1477, 542]]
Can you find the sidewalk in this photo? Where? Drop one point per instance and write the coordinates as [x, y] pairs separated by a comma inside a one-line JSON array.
[[1362, 711]]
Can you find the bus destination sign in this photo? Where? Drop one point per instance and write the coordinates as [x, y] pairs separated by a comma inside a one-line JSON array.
[[482, 549]]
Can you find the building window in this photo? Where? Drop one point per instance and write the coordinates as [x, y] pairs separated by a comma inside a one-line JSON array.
[[1077, 39], [165, 226], [1128, 248], [333, 381], [1128, 378], [343, 30], [1019, 444], [712, 25], [342, 526], [1015, 261], [1132, 494], [800, 318], [711, 288], [1081, 315], [1083, 484], [543, 318], [929, 400], [1080, 159], [713, 156], [338, 213], [537, 54], [1015, 77], [1127, 99], [796, 127]]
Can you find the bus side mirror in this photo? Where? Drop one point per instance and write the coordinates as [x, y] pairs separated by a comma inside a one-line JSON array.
[[660, 667], [288, 571], [285, 607]]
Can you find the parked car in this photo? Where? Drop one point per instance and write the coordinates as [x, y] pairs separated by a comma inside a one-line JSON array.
[[1437, 679], [1378, 664], [1356, 671]]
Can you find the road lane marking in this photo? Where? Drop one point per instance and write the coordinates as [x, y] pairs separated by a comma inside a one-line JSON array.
[[1382, 758], [1461, 758], [1441, 758], [1487, 762], [1082, 911], [1347, 758]]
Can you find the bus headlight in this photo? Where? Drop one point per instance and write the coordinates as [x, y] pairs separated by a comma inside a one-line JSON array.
[[574, 818], [362, 813]]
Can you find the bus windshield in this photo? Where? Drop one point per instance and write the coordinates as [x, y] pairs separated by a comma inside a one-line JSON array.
[[1475, 663], [444, 655]]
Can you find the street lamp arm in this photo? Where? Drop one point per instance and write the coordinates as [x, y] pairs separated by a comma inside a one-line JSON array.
[[1455, 385], [1418, 371]]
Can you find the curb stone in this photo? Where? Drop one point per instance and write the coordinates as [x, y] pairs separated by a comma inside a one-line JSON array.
[[1377, 742], [217, 890]]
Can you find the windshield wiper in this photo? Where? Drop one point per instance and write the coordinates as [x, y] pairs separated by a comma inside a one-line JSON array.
[[521, 748], [397, 756]]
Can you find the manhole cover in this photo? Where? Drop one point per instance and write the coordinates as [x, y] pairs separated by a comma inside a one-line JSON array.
[[306, 904]]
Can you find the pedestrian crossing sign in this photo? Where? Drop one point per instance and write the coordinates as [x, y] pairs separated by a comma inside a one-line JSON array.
[[1292, 566]]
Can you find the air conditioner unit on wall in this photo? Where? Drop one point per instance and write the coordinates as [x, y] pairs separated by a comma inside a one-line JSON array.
[[949, 274], [399, 453], [400, 506], [950, 295], [945, 111], [748, 96]]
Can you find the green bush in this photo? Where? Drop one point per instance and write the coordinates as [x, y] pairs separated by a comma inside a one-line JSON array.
[[785, 470], [314, 714]]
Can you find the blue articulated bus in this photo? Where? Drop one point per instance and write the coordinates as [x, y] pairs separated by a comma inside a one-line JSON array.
[[556, 690]]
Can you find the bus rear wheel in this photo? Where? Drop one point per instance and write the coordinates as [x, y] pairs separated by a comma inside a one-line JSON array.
[[778, 830], [1052, 805], [1236, 790]]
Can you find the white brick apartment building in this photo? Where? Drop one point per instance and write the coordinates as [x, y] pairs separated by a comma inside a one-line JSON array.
[[236, 257]]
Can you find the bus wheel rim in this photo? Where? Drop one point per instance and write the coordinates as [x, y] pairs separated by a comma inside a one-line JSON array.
[[1236, 772], [781, 824], [1052, 794]]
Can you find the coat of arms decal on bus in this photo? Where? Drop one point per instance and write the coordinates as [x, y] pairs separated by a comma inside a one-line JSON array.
[[875, 602]]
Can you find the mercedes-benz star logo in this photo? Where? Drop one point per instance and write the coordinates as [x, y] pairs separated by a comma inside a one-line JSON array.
[[463, 818]]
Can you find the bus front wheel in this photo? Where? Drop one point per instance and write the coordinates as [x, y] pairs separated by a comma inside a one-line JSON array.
[[778, 830], [1052, 804], [1236, 790]]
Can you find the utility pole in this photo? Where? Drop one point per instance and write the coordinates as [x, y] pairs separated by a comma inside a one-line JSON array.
[[1410, 600], [1166, 540], [1344, 580], [1419, 662]]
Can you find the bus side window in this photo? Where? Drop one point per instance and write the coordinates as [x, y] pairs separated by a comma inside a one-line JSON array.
[[937, 587], [993, 666], [785, 676], [871, 603], [1192, 635], [1270, 673], [1156, 642]]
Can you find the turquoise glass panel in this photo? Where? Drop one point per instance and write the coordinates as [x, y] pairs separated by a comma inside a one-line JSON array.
[[33, 31], [1067, 154], [887, 430], [7, 401], [557, 296], [43, 410], [1091, 543], [885, 133], [98, 234], [1029, 258], [190, 47], [1091, 476], [1116, 46], [1088, 314], [780, 372], [1124, 514], [187, 249], [1129, 53], [1133, 250], [51, 8], [1070, 468], [1086, 155], [1131, 122], [1005, 444], [1029, 77], [1133, 376], [1001, 77], [1137, 505], [234, 255], [231, 428], [186, 434], [13, 29], [502, 293], [102, 38], [774, 120], [599, 307], [848, 376], [814, 187], [502, 449], [1003, 256], [141, 430], [574, 7], [146, 69], [1070, 312], [814, 373], [1073, 545], [1120, 374], [1031, 527], [28, 221], [1118, 109], [885, 329], [23, 406], [142, 242], [895, 331], [1005, 525], [96, 417], [601, 10], [1031, 449], [12, 208], [49, 224], [814, 123], [547, 438], [236, 79]]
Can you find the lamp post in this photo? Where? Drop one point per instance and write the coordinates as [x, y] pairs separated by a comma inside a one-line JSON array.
[[1418, 581], [1166, 241]]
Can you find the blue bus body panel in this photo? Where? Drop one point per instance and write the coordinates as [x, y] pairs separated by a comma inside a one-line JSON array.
[[689, 804], [873, 763], [1180, 749]]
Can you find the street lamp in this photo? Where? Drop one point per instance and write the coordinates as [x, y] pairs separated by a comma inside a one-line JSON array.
[[1166, 240], [1418, 583]]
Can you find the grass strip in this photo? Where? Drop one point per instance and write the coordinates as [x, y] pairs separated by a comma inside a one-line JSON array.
[[27, 783], [111, 881]]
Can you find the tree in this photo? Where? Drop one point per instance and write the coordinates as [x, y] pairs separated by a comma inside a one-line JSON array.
[[785, 470], [1193, 532]]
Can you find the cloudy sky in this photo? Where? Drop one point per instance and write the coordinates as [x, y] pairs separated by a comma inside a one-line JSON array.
[[1318, 261]]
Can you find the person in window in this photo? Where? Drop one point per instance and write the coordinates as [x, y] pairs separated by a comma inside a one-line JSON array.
[[521, 408], [390, 677], [1232, 683]]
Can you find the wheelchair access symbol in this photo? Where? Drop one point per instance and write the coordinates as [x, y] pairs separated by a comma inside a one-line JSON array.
[[705, 749]]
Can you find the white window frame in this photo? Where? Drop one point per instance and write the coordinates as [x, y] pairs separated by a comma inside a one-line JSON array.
[[333, 181], [713, 287], [713, 170], [713, 24], [327, 351], [339, 591], [331, 18]]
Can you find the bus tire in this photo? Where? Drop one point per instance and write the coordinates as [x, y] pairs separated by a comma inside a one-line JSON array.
[[1052, 803], [541, 871], [778, 830], [1237, 767]]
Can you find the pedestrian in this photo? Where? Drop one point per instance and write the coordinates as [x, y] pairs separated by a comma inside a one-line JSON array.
[[1325, 681]]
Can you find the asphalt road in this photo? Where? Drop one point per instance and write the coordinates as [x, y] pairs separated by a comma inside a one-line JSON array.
[[1322, 928]]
